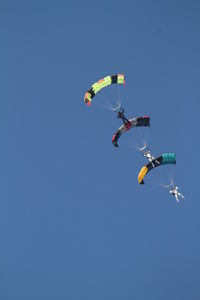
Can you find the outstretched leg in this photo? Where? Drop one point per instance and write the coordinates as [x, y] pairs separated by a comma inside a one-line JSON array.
[[179, 194], [176, 196]]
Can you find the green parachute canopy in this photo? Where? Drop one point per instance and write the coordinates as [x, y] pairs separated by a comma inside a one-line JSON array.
[[102, 83]]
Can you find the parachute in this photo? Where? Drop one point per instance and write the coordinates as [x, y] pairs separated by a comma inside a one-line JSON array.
[[97, 86], [135, 122], [164, 159]]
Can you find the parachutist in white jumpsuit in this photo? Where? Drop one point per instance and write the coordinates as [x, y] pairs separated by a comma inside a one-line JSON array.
[[150, 157], [175, 193]]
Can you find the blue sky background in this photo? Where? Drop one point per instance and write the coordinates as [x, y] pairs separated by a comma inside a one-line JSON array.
[[74, 222]]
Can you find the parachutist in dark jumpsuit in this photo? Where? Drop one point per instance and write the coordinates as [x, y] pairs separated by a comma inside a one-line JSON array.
[[120, 115]]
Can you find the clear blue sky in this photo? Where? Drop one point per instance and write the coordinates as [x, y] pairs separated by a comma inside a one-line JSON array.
[[74, 222]]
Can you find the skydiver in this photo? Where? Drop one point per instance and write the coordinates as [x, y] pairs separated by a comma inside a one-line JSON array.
[[147, 154], [150, 157], [175, 193], [120, 115]]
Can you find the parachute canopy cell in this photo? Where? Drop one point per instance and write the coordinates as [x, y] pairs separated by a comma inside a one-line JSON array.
[[97, 86], [164, 159], [135, 122]]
